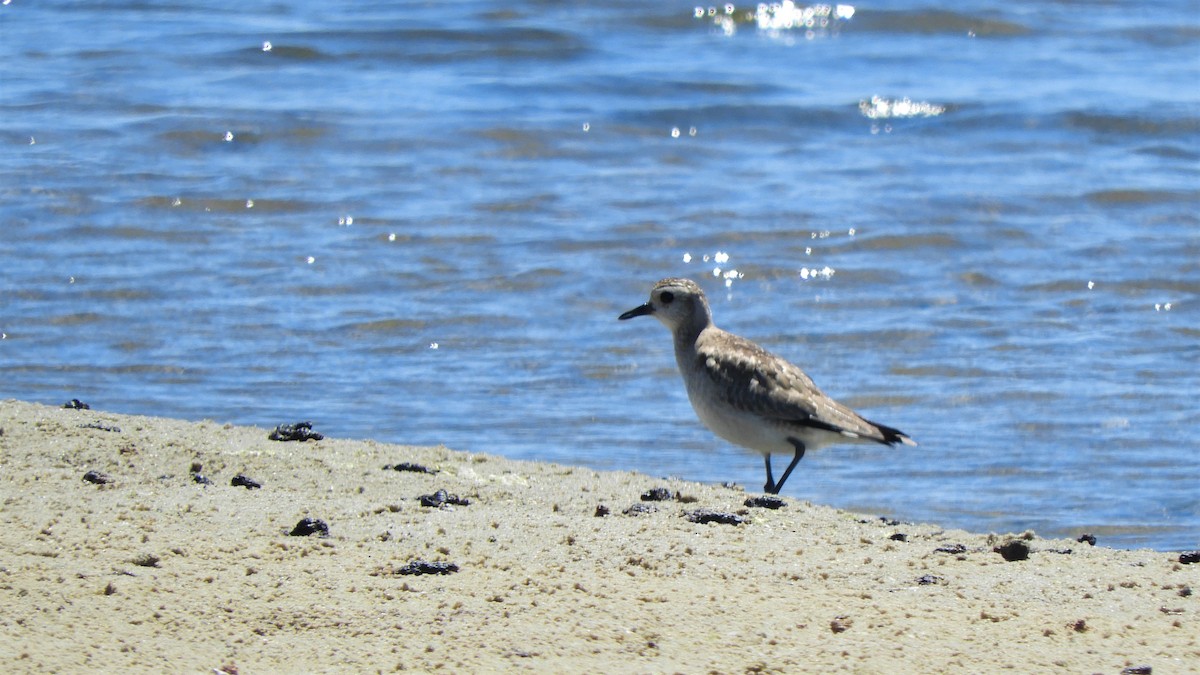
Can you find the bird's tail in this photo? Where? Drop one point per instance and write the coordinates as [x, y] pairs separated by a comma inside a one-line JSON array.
[[892, 436]]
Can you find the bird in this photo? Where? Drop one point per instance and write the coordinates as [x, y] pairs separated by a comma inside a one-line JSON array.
[[747, 395]]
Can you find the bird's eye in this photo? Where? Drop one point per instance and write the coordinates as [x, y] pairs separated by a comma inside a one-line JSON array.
[[667, 297]]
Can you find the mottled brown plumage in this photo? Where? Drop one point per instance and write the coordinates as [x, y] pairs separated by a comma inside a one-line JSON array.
[[747, 395]]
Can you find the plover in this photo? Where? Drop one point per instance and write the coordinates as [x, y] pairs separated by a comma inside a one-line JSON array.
[[747, 395]]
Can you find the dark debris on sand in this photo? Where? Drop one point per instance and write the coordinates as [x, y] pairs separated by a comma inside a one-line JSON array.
[[765, 502], [310, 526], [242, 480], [409, 467], [658, 494], [441, 498], [99, 426], [419, 567], [300, 431], [97, 477], [1013, 550], [703, 516]]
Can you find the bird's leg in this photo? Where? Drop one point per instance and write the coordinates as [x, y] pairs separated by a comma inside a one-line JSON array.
[[770, 488], [787, 472]]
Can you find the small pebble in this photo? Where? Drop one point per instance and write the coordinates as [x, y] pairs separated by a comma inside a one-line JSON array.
[[419, 567], [300, 431], [408, 466], [310, 526], [658, 494], [1013, 550], [1189, 557], [703, 516], [97, 477], [76, 404], [1089, 539], [441, 497], [201, 479], [765, 502], [899, 536], [640, 509], [602, 511], [955, 549], [242, 480]]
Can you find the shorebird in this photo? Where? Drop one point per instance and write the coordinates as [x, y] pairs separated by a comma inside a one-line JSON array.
[[747, 395]]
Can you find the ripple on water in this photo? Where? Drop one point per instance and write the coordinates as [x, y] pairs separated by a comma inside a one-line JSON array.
[[932, 21]]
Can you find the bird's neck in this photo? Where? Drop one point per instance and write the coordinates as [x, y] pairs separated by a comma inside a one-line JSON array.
[[686, 337]]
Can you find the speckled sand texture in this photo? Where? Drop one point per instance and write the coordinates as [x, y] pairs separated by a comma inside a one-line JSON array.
[[155, 572]]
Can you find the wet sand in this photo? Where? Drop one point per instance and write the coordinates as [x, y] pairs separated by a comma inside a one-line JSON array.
[[154, 571]]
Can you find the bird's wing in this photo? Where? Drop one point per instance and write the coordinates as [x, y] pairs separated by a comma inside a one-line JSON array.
[[749, 378]]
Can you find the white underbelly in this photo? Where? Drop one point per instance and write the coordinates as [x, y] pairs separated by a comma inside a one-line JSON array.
[[740, 427]]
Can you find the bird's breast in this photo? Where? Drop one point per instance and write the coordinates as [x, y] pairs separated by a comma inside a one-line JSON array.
[[734, 424]]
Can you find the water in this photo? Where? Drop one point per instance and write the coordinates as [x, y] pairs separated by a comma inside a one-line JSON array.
[[417, 222]]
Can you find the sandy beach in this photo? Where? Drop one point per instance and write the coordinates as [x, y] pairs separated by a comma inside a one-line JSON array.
[[157, 562]]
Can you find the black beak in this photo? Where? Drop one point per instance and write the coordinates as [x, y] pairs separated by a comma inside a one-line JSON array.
[[642, 310]]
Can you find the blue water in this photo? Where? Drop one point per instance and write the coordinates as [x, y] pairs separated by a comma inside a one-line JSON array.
[[417, 222]]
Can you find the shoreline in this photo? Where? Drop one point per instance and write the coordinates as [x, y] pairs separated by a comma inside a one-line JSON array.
[[154, 571]]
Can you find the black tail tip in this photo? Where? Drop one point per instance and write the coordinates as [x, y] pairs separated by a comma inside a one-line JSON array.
[[893, 436]]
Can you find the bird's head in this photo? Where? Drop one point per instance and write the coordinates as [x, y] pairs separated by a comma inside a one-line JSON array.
[[678, 304]]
